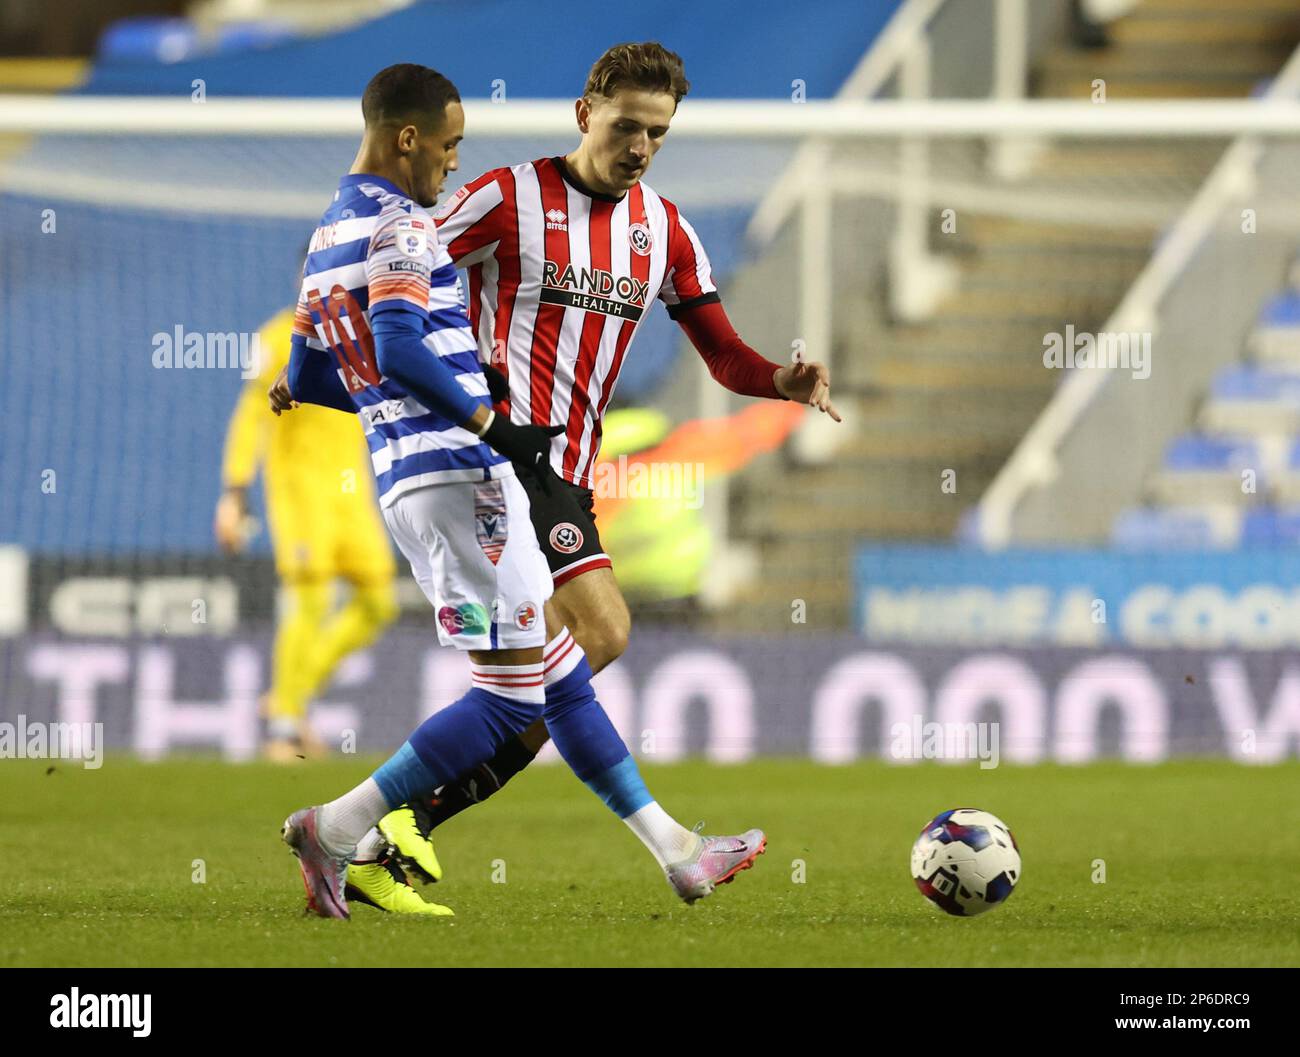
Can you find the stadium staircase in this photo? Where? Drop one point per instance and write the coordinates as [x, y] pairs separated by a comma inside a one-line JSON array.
[[958, 391]]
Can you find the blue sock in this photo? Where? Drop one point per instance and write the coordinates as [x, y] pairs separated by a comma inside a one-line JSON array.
[[590, 745], [621, 787], [447, 744]]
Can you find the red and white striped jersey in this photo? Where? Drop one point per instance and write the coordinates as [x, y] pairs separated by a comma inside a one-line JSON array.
[[560, 280]]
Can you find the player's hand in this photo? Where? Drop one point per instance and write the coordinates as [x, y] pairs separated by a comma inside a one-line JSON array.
[[528, 447], [498, 387], [808, 383], [231, 520], [279, 395]]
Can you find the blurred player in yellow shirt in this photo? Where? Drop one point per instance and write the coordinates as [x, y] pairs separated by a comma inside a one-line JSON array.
[[325, 524]]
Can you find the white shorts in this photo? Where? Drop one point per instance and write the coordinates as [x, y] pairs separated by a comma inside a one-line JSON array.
[[474, 553]]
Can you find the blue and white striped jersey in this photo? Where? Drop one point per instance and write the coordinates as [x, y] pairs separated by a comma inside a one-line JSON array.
[[374, 244]]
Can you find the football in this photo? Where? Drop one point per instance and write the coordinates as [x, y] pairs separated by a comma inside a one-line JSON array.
[[966, 861]]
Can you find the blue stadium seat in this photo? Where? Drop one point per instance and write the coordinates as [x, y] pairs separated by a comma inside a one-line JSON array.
[[1251, 400], [1282, 310], [245, 36], [1195, 452], [1276, 336], [1205, 528], [149, 40], [1271, 527], [1200, 469], [1254, 383]]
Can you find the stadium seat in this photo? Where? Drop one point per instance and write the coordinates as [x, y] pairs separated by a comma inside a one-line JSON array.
[[245, 36], [1276, 337], [1192, 528], [1271, 527], [1250, 400], [149, 40], [1200, 469]]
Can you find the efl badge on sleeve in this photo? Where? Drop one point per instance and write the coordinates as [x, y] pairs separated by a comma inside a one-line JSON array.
[[412, 238]]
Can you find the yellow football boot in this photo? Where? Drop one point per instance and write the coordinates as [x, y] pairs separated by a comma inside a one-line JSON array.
[[374, 883], [409, 846]]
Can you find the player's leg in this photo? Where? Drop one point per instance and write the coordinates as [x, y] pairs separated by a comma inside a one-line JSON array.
[[506, 696], [595, 752], [436, 529], [592, 607], [354, 542], [353, 626], [577, 602], [362, 556], [586, 596], [305, 604], [586, 599], [303, 563]]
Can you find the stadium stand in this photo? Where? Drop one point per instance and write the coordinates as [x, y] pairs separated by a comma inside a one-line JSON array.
[[958, 391]]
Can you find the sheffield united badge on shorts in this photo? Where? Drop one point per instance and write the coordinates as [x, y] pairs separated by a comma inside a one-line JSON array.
[[566, 537]]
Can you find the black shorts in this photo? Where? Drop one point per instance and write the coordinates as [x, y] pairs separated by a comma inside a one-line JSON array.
[[566, 528]]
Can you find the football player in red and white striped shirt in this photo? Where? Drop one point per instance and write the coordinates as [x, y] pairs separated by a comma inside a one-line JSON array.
[[566, 255]]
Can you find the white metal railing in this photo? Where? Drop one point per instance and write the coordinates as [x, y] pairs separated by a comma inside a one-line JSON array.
[[732, 119], [1034, 461]]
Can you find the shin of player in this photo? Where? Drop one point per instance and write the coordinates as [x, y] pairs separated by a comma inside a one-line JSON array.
[[592, 748]]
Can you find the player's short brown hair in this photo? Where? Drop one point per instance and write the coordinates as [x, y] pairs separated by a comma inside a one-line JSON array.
[[648, 66]]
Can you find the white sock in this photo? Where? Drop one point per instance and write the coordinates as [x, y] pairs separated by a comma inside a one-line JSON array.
[[370, 847], [342, 823], [518, 682], [669, 841], [560, 656]]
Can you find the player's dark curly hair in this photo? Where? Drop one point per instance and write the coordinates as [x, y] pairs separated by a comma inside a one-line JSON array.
[[648, 66], [407, 94]]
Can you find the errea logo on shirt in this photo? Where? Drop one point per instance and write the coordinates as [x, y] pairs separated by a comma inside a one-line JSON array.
[[450, 205], [556, 220]]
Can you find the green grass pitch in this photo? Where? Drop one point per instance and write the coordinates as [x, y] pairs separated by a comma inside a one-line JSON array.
[[97, 869]]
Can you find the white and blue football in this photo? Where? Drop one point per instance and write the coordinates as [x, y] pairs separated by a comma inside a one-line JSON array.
[[966, 861]]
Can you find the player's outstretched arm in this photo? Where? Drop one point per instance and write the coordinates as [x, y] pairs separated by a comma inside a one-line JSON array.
[[739, 368]]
